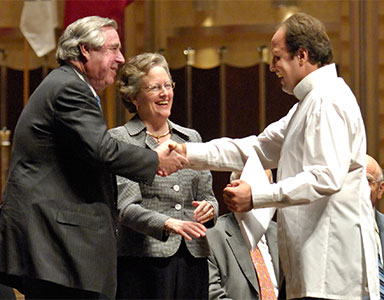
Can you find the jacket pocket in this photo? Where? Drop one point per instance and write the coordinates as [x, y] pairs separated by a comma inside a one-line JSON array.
[[78, 219]]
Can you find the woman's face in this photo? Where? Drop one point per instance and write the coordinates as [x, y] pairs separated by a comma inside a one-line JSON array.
[[155, 98]]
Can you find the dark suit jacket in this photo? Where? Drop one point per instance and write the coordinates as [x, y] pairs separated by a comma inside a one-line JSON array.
[[231, 271], [57, 221], [380, 224]]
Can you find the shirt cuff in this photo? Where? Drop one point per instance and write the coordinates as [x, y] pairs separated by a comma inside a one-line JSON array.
[[195, 155], [264, 196]]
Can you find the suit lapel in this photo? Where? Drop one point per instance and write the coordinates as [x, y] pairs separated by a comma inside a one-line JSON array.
[[240, 251]]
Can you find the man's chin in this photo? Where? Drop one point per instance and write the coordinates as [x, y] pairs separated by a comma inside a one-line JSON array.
[[287, 91]]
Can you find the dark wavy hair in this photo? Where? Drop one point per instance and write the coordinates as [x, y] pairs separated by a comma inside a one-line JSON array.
[[306, 32]]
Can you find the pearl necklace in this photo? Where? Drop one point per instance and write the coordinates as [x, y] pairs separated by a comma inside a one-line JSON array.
[[158, 137]]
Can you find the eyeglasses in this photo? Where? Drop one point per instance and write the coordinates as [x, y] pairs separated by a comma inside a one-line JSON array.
[[155, 88], [114, 49]]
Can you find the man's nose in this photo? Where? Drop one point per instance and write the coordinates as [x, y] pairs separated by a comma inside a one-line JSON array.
[[120, 58]]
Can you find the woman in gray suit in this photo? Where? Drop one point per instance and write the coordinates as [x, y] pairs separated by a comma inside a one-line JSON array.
[[162, 248]]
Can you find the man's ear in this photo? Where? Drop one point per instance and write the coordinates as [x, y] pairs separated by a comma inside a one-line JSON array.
[[84, 49], [380, 191], [302, 54]]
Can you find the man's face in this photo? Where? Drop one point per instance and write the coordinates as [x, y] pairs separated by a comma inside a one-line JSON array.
[[377, 188], [286, 68], [102, 64]]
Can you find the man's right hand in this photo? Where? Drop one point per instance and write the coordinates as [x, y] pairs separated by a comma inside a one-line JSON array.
[[169, 160], [238, 196]]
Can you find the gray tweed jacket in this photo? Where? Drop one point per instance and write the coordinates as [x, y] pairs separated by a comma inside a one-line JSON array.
[[143, 208]]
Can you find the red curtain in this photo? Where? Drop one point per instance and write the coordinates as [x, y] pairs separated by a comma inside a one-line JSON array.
[[76, 9]]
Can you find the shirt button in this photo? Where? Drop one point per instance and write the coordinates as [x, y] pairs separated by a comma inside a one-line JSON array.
[[176, 188], [178, 206]]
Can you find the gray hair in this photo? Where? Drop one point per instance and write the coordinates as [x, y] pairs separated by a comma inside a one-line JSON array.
[[83, 31], [380, 176], [133, 71]]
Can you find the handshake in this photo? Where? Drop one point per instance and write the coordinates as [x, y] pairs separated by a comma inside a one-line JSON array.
[[172, 157]]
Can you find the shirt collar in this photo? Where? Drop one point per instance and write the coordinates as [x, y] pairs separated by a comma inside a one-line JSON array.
[[85, 79], [137, 126], [320, 76]]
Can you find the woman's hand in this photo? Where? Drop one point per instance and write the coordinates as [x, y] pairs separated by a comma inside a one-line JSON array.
[[204, 211], [185, 228]]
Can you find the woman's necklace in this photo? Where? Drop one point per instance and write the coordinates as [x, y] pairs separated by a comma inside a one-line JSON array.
[[158, 137]]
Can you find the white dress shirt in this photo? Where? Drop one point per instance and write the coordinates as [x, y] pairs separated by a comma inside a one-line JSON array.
[[326, 232]]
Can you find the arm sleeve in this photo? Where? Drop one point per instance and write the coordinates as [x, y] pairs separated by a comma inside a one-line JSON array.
[[216, 291], [78, 115], [326, 156], [134, 215], [204, 190], [227, 154]]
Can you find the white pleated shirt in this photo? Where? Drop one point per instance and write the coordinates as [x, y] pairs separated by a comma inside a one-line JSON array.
[[326, 230]]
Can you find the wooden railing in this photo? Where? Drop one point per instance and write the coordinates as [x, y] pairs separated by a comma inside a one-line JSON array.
[[5, 150]]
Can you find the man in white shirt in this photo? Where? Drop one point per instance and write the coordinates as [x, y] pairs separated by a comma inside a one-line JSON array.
[[326, 233]]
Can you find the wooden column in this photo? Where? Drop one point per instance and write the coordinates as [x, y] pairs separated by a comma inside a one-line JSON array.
[[26, 71], [223, 94], [3, 91], [189, 56], [5, 150]]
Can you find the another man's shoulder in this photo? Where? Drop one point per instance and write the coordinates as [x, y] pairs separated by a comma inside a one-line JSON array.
[[379, 214], [220, 224]]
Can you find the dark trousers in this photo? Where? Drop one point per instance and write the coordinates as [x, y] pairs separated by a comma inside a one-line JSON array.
[[180, 276], [40, 289]]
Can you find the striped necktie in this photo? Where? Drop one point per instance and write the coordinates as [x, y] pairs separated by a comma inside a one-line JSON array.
[[381, 277], [267, 291], [380, 264], [99, 102]]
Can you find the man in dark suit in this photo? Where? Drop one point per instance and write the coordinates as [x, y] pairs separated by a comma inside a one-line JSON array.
[[232, 274], [376, 183], [57, 223], [231, 271]]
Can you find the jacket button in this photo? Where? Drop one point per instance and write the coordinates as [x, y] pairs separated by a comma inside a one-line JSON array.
[[178, 206], [176, 188]]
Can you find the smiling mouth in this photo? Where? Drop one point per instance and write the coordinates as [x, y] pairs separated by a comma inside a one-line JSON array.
[[279, 76], [162, 102]]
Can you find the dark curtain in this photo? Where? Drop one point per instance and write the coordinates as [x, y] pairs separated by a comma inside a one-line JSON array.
[[179, 107], [278, 102], [206, 102], [15, 93], [242, 97]]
